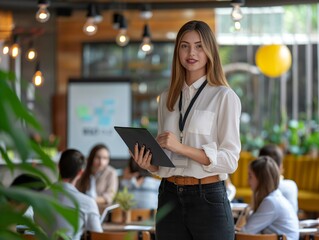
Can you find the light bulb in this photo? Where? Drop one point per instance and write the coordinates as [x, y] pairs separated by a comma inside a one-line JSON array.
[[122, 39], [237, 25], [236, 13], [37, 78], [146, 14], [15, 50], [42, 14], [146, 46], [5, 49], [31, 54], [90, 27]]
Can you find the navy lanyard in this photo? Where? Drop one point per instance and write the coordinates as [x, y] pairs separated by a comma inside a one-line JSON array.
[[181, 119]]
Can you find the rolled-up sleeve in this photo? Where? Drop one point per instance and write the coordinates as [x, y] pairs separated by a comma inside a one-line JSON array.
[[224, 152]]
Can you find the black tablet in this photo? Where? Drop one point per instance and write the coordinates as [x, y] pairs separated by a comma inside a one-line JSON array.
[[142, 136]]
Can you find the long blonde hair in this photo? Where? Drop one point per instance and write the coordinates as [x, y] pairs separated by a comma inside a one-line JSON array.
[[214, 70], [267, 173]]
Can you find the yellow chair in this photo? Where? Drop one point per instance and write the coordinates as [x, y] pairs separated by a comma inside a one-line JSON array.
[[127, 235], [246, 236]]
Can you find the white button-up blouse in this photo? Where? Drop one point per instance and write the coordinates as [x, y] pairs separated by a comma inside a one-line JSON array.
[[212, 125]]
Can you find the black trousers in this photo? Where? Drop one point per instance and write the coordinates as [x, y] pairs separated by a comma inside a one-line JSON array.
[[199, 212]]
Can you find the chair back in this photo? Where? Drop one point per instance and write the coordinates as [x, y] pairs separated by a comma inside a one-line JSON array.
[[142, 214], [119, 235], [246, 236], [33, 237], [136, 214], [29, 236], [312, 237]]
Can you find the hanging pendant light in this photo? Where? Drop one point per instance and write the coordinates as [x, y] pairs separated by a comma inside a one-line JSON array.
[[236, 13], [146, 12], [15, 48], [6, 47], [122, 39], [146, 45], [31, 54], [37, 78], [43, 14], [93, 17], [116, 20], [273, 60]]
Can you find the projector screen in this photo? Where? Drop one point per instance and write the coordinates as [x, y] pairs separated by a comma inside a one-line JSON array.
[[94, 107]]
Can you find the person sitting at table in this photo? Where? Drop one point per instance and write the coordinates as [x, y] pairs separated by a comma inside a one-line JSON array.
[[288, 187], [99, 180], [31, 182], [141, 184], [271, 211], [71, 166], [28, 181]]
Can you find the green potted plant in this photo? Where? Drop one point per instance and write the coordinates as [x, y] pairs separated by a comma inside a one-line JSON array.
[[126, 201]]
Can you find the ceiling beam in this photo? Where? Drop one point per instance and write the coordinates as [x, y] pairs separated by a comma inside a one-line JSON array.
[[156, 5]]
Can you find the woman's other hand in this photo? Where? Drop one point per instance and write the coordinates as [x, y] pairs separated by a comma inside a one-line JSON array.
[[143, 158], [169, 141]]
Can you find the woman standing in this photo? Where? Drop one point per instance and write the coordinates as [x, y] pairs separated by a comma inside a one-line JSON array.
[[99, 179], [198, 127]]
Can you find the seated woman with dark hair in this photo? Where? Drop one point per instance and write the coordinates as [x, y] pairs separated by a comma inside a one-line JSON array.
[[287, 186], [99, 179], [272, 213]]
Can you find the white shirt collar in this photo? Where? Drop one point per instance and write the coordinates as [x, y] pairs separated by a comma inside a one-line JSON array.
[[196, 84]]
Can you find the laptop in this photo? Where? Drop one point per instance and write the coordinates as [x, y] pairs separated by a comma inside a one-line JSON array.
[[107, 210]]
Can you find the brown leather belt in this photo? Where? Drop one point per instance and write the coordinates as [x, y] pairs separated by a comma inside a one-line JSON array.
[[182, 181]]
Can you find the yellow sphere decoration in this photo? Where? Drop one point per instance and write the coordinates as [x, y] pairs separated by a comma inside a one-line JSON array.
[[273, 60]]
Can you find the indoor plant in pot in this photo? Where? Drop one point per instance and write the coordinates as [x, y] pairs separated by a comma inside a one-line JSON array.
[[126, 201]]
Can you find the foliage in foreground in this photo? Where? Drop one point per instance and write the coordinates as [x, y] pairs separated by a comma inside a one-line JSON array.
[[15, 122]]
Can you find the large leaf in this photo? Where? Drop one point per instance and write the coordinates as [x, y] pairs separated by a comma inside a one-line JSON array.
[[15, 120], [9, 218], [46, 160], [14, 115], [44, 206]]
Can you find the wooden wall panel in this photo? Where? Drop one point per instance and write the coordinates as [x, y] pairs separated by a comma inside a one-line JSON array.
[[6, 25], [71, 36]]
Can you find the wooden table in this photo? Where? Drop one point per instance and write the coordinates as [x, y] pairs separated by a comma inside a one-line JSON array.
[[149, 225], [133, 226]]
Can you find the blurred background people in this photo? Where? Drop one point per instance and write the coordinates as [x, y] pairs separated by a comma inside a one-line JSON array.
[[230, 189], [271, 211], [288, 187], [71, 166], [99, 180], [142, 184], [28, 181]]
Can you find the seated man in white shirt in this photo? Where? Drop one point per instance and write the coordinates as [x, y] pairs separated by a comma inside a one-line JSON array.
[[71, 166], [288, 187]]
